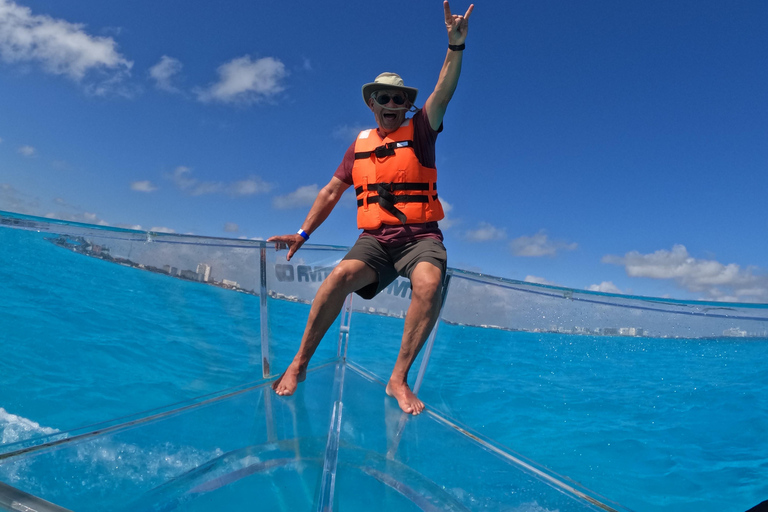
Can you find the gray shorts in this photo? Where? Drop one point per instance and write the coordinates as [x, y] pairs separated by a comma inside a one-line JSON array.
[[391, 262]]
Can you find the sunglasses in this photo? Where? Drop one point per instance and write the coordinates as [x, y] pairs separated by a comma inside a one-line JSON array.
[[383, 99]]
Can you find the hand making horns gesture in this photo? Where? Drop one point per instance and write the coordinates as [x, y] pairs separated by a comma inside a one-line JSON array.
[[456, 24]]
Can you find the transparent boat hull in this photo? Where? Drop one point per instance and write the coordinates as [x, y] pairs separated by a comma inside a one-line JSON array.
[[142, 362]]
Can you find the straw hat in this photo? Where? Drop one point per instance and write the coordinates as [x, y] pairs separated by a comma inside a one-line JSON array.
[[388, 81]]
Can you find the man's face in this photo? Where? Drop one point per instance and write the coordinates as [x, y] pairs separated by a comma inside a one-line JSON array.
[[390, 115]]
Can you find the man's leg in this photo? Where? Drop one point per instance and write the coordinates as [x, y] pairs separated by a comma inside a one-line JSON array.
[[426, 281], [347, 277]]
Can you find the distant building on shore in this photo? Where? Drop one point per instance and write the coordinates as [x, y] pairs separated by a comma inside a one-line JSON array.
[[191, 275], [205, 272]]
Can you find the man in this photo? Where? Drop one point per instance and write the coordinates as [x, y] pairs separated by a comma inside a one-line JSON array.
[[393, 171]]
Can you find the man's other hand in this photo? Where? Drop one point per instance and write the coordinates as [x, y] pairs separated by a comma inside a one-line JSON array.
[[290, 242]]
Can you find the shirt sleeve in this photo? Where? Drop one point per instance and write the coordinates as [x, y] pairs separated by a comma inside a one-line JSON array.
[[424, 126], [424, 138], [344, 170]]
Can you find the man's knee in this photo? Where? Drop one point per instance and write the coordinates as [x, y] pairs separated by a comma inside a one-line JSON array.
[[350, 275], [427, 281]]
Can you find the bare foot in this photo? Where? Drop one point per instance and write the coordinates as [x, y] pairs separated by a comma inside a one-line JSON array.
[[286, 384], [407, 401]]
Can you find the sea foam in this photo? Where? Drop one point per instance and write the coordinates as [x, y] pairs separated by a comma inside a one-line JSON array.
[[15, 428]]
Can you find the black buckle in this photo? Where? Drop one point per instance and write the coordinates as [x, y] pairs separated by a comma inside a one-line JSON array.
[[385, 190], [385, 150]]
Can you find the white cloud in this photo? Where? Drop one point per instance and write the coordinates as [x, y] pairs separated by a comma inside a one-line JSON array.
[[164, 71], [94, 219], [160, 229], [539, 280], [250, 187], [485, 232], [27, 150], [58, 46], [182, 178], [143, 186], [448, 221], [348, 133], [136, 227], [539, 245], [711, 278], [112, 85], [604, 287], [231, 227], [302, 196], [246, 81], [12, 200], [83, 217], [59, 208]]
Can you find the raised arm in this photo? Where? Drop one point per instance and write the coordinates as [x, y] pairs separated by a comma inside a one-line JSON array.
[[324, 203], [437, 103]]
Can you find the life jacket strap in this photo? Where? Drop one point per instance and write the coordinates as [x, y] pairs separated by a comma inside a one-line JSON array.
[[384, 150], [393, 187], [387, 200]]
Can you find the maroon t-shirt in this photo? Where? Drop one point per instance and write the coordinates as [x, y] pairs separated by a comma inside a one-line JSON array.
[[424, 138]]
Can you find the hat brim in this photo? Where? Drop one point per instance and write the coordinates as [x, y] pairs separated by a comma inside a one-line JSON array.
[[372, 87]]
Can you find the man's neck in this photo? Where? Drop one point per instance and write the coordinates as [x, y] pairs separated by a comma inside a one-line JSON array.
[[383, 134]]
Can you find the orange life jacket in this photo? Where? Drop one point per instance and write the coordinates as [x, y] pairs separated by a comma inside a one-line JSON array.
[[391, 186]]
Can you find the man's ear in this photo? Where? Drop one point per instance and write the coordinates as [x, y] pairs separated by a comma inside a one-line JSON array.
[[370, 104]]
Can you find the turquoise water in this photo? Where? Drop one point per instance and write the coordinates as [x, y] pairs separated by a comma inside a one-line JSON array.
[[133, 341], [653, 423]]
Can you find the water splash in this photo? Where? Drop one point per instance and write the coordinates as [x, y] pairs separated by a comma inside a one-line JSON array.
[[15, 428]]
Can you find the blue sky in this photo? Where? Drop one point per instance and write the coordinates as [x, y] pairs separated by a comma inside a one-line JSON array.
[[613, 146]]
